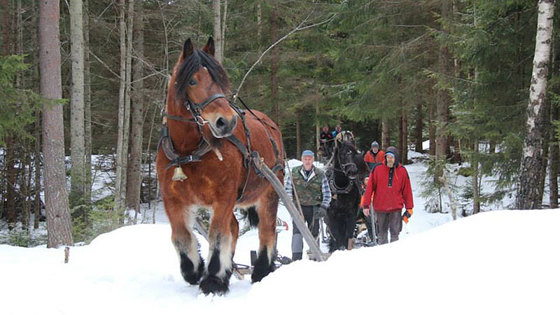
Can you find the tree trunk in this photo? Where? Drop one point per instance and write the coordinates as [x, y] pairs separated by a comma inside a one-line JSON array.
[[457, 151], [546, 143], [404, 138], [419, 124], [385, 133], [119, 205], [216, 6], [532, 159], [25, 162], [317, 127], [127, 99], [6, 27], [259, 23], [37, 163], [56, 195], [26, 186], [126, 27], [432, 128], [298, 135], [274, 64], [11, 178], [554, 162], [77, 170], [443, 98], [87, 107], [37, 160], [224, 26], [475, 187], [10, 172], [134, 180]]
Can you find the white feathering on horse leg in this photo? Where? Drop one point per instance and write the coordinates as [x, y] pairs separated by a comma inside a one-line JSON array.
[[225, 257]]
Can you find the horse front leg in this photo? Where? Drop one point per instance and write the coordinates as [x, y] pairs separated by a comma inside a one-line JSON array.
[[267, 236], [186, 244], [222, 238]]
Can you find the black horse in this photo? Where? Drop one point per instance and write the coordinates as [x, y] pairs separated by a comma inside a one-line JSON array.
[[346, 176]]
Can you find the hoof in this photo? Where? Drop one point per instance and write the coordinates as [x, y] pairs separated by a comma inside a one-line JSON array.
[[262, 267], [188, 272], [258, 275], [215, 285]]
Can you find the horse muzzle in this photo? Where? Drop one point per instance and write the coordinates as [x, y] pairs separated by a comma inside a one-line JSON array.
[[351, 171], [222, 127]]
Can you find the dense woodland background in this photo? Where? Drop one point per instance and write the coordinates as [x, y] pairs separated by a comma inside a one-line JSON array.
[[454, 72]]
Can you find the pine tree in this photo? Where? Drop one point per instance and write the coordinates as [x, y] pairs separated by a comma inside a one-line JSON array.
[[56, 195]]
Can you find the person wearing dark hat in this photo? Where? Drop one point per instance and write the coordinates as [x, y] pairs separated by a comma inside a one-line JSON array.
[[374, 155], [389, 190], [314, 195]]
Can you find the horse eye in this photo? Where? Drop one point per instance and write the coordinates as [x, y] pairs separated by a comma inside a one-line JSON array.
[[192, 82]]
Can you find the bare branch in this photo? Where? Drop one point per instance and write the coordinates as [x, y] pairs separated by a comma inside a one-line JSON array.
[[104, 64], [300, 27]]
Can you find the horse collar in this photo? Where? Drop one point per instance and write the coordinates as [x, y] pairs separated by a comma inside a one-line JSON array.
[[341, 190]]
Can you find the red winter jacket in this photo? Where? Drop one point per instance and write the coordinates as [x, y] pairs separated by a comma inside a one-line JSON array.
[[388, 195], [378, 158]]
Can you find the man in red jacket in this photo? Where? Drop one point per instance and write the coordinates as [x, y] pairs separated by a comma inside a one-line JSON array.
[[389, 188]]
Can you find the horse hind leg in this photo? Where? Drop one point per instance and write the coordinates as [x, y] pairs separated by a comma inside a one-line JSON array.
[[264, 263], [222, 239]]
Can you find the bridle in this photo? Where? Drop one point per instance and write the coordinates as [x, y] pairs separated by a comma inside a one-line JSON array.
[[196, 109], [344, 170]]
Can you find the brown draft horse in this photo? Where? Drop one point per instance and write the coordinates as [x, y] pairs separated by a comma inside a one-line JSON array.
[[209, 145]]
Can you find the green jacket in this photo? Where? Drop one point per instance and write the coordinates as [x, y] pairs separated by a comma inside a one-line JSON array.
[[309, 192]]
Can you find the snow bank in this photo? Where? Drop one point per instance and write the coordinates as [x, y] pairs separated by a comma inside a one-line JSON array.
[[503, 262]]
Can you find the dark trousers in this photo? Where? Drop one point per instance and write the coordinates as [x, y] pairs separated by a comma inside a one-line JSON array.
[[297, 238], [388, 222]]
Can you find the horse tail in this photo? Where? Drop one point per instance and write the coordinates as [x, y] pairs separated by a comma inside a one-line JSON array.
[[253, 216]]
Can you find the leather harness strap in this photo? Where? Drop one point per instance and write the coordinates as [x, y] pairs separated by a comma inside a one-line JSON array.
[[204, 147]]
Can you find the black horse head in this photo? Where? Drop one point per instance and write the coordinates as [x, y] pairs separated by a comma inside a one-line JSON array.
[[347, 160]]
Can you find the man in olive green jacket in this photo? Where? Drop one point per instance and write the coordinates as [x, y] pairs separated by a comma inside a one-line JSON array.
[[314, 194]]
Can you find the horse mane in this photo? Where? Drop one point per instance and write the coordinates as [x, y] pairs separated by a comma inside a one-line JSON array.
[[190, 66]]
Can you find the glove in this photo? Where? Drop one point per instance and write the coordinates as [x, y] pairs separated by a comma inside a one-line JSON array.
[[406, 215], [366, 211], [321, 212]]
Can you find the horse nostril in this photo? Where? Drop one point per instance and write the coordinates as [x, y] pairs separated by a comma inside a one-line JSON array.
[[221, 123]]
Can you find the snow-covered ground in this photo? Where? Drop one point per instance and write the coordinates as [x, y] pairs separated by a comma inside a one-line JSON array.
[[503, 262], [500, 262]]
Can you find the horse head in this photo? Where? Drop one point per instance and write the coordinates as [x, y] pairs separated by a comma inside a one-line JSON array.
[[347, 159], [199, 85]]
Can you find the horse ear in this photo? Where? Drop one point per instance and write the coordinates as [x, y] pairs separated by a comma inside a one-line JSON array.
[[209, 47], [187, 48]]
